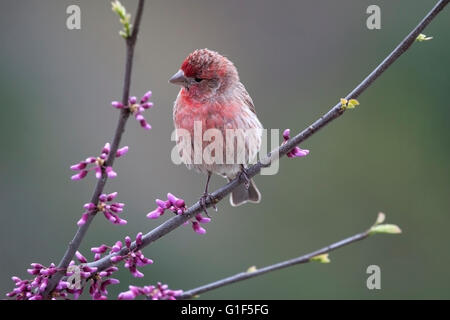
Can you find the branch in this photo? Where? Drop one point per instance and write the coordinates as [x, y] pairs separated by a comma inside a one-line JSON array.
[[332, 114], [124, 115], [281, 265], [378, 227]]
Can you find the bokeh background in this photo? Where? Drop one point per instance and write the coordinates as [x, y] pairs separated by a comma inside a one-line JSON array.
[[296, 58]]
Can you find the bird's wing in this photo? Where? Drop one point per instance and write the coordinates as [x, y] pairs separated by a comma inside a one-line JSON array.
[[246, 97]]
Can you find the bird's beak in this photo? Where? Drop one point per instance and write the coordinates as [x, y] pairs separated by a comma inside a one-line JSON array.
[[179, 78]]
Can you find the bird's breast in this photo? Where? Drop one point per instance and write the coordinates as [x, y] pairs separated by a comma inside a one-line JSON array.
[[211, 114]]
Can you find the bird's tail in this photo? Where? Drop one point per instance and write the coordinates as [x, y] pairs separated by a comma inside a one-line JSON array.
[[241, 194]]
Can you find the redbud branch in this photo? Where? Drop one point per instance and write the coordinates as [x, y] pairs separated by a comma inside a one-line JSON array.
[[282, 150], [281, 265], [124, 115]]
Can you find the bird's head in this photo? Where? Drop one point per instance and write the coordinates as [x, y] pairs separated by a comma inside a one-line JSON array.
[[205, 73]]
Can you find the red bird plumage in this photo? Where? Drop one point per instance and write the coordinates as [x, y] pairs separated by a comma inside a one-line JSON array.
[[213, 96]]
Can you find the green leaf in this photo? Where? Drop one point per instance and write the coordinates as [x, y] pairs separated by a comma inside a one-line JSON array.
[[380, 219], [322, 258], [421, 37], [252, 269], [118, 8], [349, 104], [125, 18], [385, 228]]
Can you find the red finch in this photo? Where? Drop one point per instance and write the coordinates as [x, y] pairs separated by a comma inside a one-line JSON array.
[[212, 97]]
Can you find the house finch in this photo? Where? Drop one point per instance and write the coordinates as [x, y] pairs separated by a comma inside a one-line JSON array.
[[212, 97]]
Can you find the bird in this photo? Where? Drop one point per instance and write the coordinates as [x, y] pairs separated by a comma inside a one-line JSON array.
[[213, 97]]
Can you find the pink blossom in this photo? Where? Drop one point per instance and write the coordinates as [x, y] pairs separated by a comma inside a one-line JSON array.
[[109, 210], [297, 151], [97, 164], [178, 206], [158, 292], [137, 108]]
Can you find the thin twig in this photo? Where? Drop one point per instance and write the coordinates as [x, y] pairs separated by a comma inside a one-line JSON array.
[[124, 115], [281, 265], [332, 114]]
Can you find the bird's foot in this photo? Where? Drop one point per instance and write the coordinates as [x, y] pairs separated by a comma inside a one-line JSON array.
[[207, 197], [244, 175]]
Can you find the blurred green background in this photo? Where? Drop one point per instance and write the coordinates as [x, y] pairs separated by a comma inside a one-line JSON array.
[[296, 58]]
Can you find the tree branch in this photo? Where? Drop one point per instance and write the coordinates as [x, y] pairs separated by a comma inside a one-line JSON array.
[[124, 115], [281, 265], [332, 114]]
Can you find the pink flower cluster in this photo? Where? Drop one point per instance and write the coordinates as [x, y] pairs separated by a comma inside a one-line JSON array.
[[174, 204], [137, 108], [110, 211], [98, 286], [98, 164], [84, 275], [296, 152], [33, 289], [158, 292], [133, 258], [178, 206]]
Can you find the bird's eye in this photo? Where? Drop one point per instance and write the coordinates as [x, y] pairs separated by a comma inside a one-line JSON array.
[[198, 79]]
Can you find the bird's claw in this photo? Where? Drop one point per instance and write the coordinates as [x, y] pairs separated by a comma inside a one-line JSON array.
[[204, 198], [244, 175]]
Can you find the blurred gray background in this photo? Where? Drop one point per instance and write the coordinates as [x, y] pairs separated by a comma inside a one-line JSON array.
[[296, 58]]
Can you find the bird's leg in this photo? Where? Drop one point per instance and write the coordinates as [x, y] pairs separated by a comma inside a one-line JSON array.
[[206, 196], [245, 176]]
